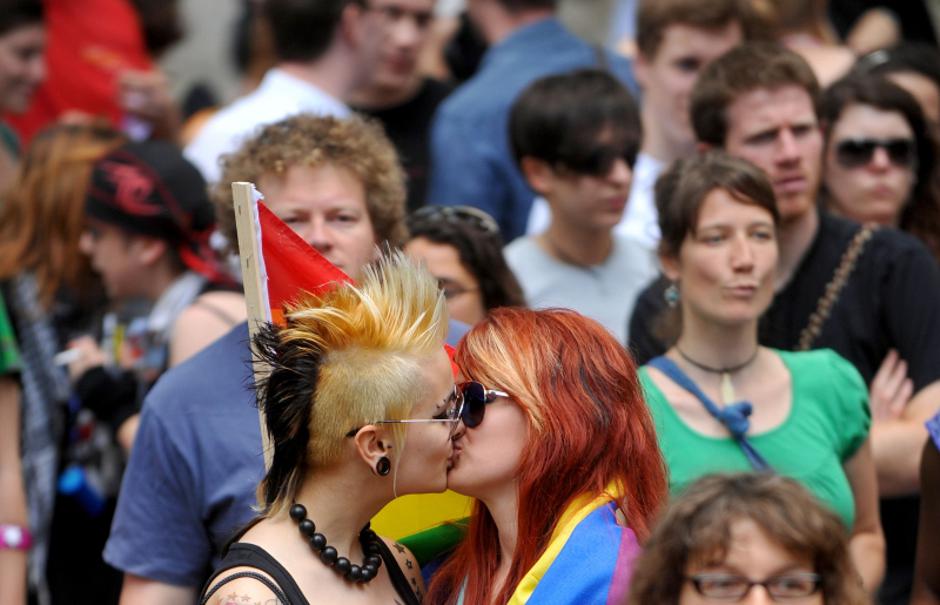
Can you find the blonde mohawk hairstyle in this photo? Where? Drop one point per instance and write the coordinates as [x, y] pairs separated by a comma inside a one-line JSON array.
[[346, 358]]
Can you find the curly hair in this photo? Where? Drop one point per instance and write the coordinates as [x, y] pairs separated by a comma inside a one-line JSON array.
[[697, 530], [358, 145]]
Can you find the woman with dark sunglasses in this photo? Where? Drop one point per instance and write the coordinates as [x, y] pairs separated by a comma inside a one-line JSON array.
[[746, 538], [559, 450], [879, 162], [361, 406]]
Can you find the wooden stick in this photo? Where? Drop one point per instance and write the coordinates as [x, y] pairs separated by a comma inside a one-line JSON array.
[[256, 287]]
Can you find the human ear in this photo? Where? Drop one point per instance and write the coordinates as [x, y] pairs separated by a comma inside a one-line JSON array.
[[372, 444], [538, 174], [149, 249], [670, 265]]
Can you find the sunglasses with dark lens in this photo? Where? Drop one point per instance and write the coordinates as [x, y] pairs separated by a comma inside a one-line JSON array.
[[599, 161], [475, 397], [855, 153], [732, 587]]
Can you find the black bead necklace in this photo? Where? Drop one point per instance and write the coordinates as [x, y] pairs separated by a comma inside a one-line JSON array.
[[354, 573]]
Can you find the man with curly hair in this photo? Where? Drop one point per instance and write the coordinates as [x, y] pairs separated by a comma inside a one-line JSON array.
[[197, 458]]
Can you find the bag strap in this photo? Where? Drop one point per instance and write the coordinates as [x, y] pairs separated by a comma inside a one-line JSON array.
[[733, 417], [835, 286]]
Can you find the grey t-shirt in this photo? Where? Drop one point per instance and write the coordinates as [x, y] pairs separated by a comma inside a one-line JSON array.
[[604, 292]]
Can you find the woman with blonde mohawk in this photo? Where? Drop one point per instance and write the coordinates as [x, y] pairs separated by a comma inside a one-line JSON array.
[[361, 406]]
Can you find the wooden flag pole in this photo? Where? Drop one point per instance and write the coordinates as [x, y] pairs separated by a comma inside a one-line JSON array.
[[259, 313]]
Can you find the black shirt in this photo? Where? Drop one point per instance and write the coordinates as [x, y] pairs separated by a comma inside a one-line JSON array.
[[891, 300], [408, 126]]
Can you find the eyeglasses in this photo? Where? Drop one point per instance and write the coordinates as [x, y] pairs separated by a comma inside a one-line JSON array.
[[450, 414], [599, 161], [730, 587], [855, 153], [453, 289], [454, 215], [475, 396]]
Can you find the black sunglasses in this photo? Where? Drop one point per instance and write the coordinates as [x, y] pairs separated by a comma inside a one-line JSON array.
[[475, 396], [855, 153], [599, 161]]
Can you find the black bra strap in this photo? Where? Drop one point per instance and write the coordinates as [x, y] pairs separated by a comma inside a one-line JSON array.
[[281, 598]]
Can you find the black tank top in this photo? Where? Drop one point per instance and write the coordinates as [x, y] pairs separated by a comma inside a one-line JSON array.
[[284, 587]]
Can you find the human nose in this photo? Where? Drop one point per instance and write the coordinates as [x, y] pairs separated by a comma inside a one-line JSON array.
[[742, 256], [620, 172], [787, 148], [318, 234], [406, 33], [37, 69], [757, 595], [879, 159], [86, 243]]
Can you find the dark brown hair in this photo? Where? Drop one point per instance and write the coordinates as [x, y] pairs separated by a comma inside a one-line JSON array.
[[680, 193], [653, 17], [697, 530], [749, 67], [476, 238]]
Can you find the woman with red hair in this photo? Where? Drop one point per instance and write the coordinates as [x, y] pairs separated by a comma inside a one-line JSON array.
[[558, 448]]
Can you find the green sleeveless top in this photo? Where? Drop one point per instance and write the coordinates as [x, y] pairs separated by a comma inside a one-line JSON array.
[[829, 420]]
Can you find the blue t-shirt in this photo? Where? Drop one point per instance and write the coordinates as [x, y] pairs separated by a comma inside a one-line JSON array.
[[196, 461], [471, 162]]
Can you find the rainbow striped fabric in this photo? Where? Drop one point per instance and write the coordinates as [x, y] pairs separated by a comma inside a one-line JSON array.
[[589, 559]]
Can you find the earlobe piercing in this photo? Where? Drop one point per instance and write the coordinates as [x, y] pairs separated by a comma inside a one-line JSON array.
[[383, 467]]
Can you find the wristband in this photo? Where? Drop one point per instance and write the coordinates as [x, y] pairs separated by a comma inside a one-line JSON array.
[[14, 537]]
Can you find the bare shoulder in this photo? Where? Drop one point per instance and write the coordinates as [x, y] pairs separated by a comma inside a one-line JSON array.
[[208, 318], [243, 590], [408, 564]]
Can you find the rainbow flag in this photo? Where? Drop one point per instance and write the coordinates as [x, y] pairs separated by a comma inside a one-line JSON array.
[[589, 559]]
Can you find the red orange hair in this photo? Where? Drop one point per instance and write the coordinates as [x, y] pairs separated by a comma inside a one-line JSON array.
[[589, 427]]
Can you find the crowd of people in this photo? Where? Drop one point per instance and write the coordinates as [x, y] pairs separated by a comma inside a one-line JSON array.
[[661, 310]]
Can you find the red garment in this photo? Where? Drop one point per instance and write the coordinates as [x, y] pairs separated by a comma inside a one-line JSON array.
[[89, 43]]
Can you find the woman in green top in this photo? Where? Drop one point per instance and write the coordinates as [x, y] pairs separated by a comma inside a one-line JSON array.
[[743, 406]]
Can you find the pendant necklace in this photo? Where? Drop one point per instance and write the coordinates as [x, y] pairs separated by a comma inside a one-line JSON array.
[[725, 385]]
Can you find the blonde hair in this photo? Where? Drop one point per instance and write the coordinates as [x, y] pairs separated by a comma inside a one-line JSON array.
[[346, 358]]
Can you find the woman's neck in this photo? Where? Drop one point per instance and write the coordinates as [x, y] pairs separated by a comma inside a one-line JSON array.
[[718, 346], [504, 508], [339, 519]]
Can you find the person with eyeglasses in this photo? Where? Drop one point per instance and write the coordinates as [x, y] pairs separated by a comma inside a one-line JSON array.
[[360, 404], [870, 295], [558, 448], [575, 138], [462, 247], [746, 538], [879, 157]]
